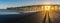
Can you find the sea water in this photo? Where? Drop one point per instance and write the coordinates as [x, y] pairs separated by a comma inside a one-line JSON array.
[[2, 12]]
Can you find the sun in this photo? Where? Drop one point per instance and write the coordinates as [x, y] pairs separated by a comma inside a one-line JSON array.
[[47, 8]]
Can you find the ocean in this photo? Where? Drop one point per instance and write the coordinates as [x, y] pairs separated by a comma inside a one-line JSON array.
[[3, 12], [10, 16]]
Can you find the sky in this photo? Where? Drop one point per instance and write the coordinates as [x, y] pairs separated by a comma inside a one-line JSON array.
[[16, 3]]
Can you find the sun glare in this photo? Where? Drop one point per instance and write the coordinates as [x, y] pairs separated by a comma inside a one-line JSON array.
[[47, 3], [47, 7]]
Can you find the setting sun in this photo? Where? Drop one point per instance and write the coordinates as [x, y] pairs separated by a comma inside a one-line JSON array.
[[47, 7]]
